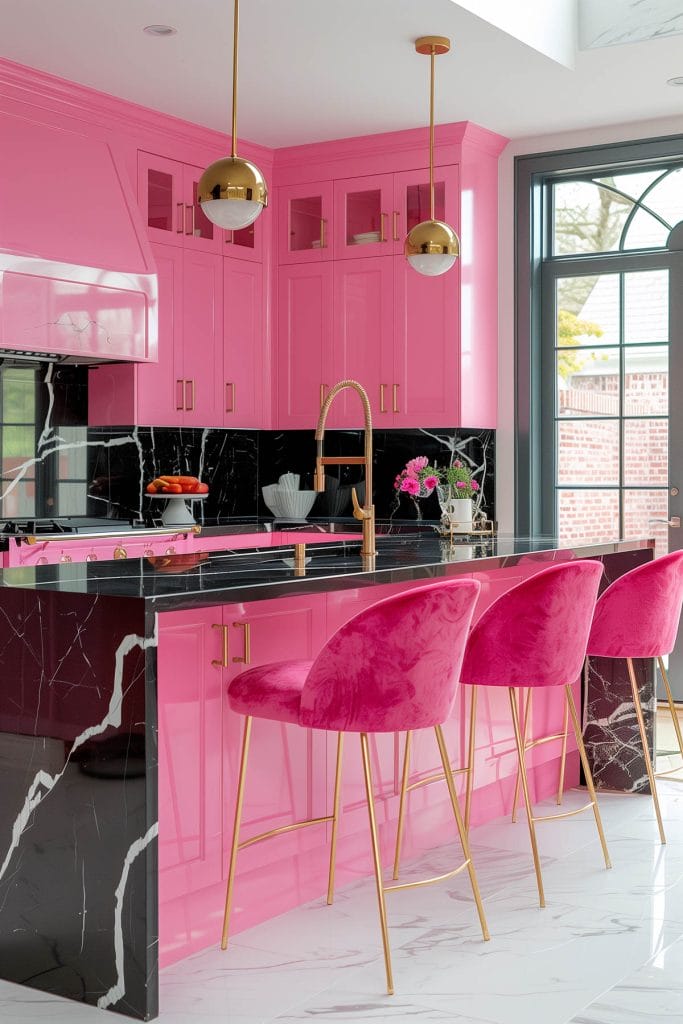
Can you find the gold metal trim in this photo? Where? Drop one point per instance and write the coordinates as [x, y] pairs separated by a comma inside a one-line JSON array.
[[428, 45], [282, 829], [223, 662], [394, 397], [323, 240], [120, 552], [382, 226], [427, 881], [367, 775], [246, 657], [180, 211], [234, 847], [587, 772], [525, 788], [335, 817], [563, 814], [394, 225], [382, 404]]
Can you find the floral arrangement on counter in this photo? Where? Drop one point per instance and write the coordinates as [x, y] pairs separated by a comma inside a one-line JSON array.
[[418, 479], [458, 478]]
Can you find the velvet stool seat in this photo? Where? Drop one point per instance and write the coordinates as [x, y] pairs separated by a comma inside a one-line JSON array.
[[393, 667], [637, 617], [535, 636]]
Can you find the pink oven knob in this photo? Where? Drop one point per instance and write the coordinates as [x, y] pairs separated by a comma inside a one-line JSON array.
[[149, 552], [66, 558], [170, 550]]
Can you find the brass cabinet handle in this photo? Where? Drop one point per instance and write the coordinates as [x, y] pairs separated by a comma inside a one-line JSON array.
[[322, 394], [190, 407], [246, 659], [394, 392], [120, 552], [323, 240], [382, 227], [179, 398], [221, 662], [180, 210], [395, 226], [230, 407], [188, 207], [382, 405]]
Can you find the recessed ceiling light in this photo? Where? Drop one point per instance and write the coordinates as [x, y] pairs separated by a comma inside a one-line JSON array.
[[675, 81], [160, 30]]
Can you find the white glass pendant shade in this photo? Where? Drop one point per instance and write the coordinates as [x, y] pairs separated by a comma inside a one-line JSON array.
[[432, 247], [232, 192]]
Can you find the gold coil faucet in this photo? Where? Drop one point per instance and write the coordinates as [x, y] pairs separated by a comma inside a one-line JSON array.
[[367, 513]]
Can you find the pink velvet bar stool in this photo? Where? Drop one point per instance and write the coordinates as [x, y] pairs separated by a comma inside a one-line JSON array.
[[535, 635], [394, 666], [637, 617]]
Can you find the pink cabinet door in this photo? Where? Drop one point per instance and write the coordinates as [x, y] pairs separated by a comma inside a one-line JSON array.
[[304, 342], [161, 198], [287, 777], [198, 231], [190, 698], [363, 216], [244, 344], [159, 386], [425, 389], [411, 200], [305, 222], [202, 338], [363, 338]]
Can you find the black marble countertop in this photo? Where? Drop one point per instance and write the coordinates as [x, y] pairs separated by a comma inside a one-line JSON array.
[[175, 582]]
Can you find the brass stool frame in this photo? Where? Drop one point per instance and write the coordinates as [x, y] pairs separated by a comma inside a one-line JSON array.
[[382, 889]]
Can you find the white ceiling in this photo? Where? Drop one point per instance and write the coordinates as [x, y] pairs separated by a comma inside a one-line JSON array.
[[323, 69]]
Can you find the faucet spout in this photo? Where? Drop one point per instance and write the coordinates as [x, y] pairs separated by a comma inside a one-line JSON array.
[[367, 513]]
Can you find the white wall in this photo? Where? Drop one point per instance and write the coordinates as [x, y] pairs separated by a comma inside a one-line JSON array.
[[505, 466]]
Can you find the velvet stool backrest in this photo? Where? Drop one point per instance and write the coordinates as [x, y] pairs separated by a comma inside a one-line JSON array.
[[638, 614], [535, 634], [395, 665]]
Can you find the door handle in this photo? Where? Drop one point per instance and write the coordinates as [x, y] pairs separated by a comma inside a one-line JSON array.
[[190, 407], [674, 522], [188, 209], [394, 392], [395, 226], [179, 399], [246, 657], [223, 661], [382, 403], [180, 209], [382, 227], [230, 407], [323, 242]]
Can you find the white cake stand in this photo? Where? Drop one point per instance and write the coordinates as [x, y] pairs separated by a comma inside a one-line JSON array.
[[177, 511]]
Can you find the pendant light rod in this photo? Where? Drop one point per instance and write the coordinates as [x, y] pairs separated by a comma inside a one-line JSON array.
[[431, 133], [235, 32]]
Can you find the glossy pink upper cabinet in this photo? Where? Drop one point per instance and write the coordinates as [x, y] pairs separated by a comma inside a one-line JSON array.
[[161, 198], [304, 343], [411, 201], [305, 223], [202, 338], [363, 209], [159, 386], [199, 231], [245, 354], [248, 243]]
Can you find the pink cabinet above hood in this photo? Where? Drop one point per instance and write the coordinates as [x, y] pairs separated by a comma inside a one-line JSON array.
[[77, 279]]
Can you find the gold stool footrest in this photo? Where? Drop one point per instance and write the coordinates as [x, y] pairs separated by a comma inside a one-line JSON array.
[[437, 777], [427, 881], [543, 739], [564, 814], [282, 829]]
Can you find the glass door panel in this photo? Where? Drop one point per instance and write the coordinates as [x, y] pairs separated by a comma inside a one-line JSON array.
[[411, 201], [305, 230], [199, 231], [417, 203], [159, 200], [306, 223], [362, 214], [160, 195]]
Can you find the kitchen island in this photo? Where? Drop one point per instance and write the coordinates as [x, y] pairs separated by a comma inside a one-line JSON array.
[[118, 754]]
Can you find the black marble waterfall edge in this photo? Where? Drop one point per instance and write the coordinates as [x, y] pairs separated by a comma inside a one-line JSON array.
[[237, 464], [78, 815]]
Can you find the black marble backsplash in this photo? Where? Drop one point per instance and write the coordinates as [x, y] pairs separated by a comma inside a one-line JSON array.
[[74, 469]]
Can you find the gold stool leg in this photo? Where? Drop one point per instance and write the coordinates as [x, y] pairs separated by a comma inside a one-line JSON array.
[[470, 757], [527, 715], [461, 830], [402, 802], [571, 706], [365, 751], [563, 755], [672, 706], [525, 787], [236, 830], [646, 749], [335, 817]]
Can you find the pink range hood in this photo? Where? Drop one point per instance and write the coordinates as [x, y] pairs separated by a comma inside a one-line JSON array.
[[77, 278]]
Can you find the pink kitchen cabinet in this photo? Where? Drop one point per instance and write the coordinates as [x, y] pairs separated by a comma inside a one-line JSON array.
[[305, 222], [304, 342], [158, 391], [201, 352], [363, 210], [245, 352], [167, 195]]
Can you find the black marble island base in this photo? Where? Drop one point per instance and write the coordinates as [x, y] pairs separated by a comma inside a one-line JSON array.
[[78, 738]]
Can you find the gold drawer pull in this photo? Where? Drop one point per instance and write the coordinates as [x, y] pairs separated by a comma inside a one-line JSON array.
[[119, 552], [230, 406], [382, 404], [323, 240], [190, 407], [395, 225], [394, 391], [246, 659], [223, 661], [382, 227], [179, 399], [180, 210]]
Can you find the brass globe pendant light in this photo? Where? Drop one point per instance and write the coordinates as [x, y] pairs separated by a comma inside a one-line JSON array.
[[232, 191], [432, 247]]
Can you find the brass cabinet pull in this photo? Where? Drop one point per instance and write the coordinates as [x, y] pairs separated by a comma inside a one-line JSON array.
[[394, 392], [382, 227], [188, 207], [323, 240], [395, 226], [322, 394], [179, 398], [230, 407], [180, 210], [246, 659], [221, 662], [120, 552], [382, 406], [190, 407]]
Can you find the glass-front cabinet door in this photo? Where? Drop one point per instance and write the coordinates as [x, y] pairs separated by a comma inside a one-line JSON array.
[[198, 231], [411, 201], [160, 195], [305, 227], [363, 210], [247, 243]]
